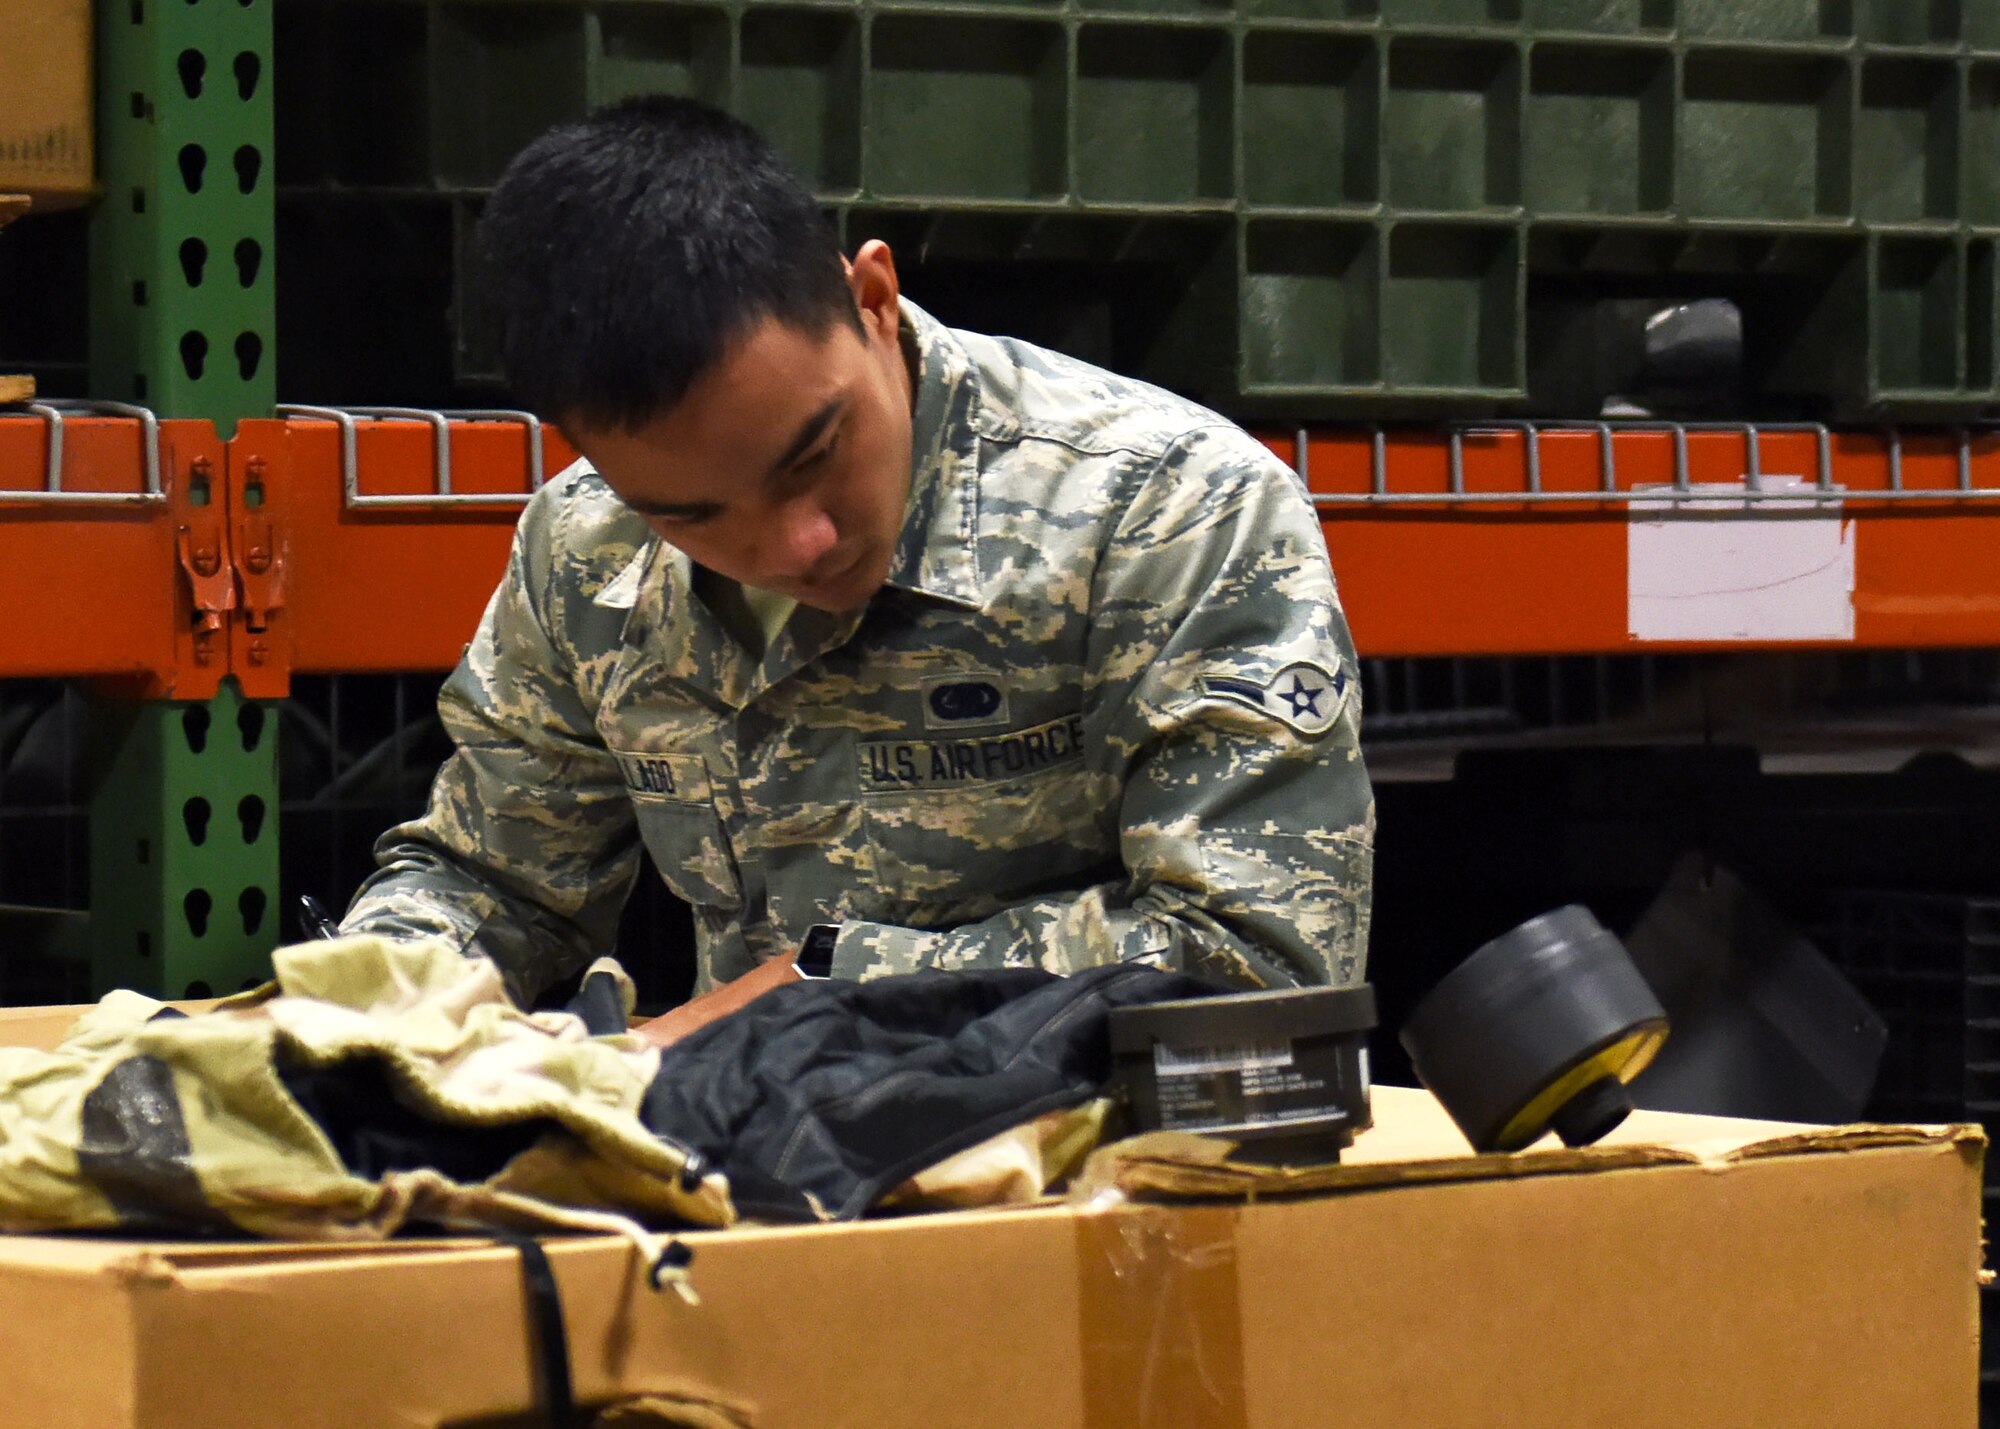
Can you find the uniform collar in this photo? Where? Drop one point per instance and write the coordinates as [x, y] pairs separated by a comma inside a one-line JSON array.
[[937, 552]]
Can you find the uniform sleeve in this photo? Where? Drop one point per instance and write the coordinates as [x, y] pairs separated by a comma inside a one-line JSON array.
[[1224, 697], [527, 849]]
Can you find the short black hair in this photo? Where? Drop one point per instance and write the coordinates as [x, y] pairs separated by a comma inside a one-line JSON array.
[[620, 255]]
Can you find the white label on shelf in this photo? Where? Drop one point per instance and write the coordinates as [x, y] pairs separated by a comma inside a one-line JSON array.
[[1719, 568]]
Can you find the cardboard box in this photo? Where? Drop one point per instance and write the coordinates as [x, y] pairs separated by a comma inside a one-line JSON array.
[[1691, 1271], [47, 101], [43, 1027]]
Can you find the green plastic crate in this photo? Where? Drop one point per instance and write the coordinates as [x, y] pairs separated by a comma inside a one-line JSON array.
[[1395, 186]]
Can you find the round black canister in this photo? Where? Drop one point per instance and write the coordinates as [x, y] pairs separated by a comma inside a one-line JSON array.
[[1539, 1029]]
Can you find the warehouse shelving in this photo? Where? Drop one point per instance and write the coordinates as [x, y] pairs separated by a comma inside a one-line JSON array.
[[1506, 538], [398, 528], [1364, 203], [105, 548], [326, 540], [181, 287], [150, 552]]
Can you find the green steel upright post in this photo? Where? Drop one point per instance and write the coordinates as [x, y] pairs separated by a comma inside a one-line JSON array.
[[183, 847], [182, 312], [184, 865]]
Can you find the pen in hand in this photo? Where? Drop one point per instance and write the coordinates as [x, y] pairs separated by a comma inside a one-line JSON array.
[[313, 919]]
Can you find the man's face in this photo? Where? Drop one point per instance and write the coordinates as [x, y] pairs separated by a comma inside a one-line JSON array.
[[787, 464]]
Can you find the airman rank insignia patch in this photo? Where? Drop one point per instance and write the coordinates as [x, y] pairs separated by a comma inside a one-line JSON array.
[[1303, 695]]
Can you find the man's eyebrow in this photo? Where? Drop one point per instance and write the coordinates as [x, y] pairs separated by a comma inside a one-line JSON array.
[[677, 510], [809, 433], [814, 428]]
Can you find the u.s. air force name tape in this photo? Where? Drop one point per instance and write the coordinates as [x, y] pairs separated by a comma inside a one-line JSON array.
[[1304, 695], [956, 763]]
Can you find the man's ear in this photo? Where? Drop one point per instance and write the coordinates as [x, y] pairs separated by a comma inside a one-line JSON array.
[[871, 276]]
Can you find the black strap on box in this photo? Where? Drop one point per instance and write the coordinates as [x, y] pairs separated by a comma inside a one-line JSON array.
[[546, 1328]]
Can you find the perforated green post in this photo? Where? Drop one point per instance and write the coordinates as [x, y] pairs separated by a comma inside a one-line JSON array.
[[182, 313], [184, 869], [183, 847]]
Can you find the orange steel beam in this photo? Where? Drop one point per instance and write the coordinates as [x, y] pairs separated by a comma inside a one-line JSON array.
[[1524, 551], [1496, 566], [391, 587], [92, 571], [1462, 571]]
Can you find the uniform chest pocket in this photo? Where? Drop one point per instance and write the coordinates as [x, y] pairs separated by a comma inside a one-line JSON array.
[[683, 832], [955, 836]]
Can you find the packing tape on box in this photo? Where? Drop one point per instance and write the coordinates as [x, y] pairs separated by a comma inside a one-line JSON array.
[[1160, 1326]]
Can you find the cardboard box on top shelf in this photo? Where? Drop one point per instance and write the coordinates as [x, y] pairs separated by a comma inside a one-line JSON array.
[[13, 386], [47, 101], [1687, 1271]]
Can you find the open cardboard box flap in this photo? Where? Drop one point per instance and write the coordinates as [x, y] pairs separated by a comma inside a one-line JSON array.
[[1689, 1270], [1413, 1140]]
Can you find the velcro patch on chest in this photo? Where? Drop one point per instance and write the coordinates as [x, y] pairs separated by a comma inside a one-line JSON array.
[[680, 777], [965, 701], [892, 764], [1304, 695]]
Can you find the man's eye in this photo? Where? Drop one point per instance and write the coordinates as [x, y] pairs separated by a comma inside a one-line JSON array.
[[823, 455], [662, 518], [802, 473]]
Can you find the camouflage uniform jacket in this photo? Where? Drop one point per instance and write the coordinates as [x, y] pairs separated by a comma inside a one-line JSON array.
[[1105, 709]]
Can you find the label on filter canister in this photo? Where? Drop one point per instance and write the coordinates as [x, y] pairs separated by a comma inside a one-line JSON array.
[[1200, 1061], [1206, 1088]]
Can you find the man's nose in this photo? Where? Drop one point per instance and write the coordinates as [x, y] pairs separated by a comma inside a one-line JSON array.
[[800, 538]]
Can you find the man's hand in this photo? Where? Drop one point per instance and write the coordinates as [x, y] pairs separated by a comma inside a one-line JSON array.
[[691, 1016]]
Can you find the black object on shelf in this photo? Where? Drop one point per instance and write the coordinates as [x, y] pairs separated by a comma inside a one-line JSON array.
[[1764, 1025]]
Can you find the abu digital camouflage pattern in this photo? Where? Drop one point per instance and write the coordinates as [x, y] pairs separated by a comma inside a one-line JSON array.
[[1104, 710]]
